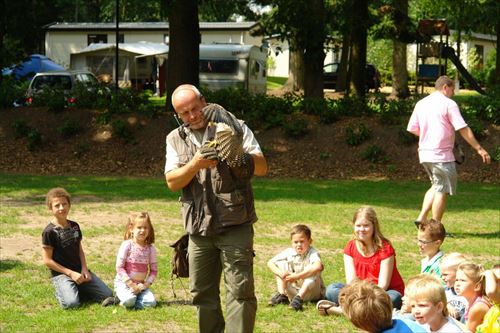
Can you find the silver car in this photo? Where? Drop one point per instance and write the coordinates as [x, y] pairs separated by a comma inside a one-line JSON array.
[[60, 80]]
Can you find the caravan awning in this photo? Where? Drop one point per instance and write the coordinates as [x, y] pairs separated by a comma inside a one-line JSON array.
[[142, 49]]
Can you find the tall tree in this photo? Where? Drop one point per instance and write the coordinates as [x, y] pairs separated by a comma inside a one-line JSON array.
[[359, 19], [302, 24], [184, 46], [226, 10]]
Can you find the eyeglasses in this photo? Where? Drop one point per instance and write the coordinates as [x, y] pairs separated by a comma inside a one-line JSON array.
[[424, 242]]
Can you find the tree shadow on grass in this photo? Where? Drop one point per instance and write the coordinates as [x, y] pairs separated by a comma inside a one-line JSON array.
[[8, 264], [487, 235]]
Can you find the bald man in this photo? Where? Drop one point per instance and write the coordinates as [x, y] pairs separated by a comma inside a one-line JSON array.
[[218, 213]]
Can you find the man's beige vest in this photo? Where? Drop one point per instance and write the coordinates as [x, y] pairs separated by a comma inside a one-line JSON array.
[[215, 200]]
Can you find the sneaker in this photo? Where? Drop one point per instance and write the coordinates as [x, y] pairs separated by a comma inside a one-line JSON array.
[[112, 300], [417, 224], [296, 303], [278, 299]]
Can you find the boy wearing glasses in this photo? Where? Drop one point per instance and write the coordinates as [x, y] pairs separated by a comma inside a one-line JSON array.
[[430, 237]]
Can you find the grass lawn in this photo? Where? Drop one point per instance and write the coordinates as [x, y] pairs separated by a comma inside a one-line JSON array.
[[101, 206], [275, 82]]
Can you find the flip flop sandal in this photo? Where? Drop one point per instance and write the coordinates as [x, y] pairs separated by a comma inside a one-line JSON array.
[[323, 307]]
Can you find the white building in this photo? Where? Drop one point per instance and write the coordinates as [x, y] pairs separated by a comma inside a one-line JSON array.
[[63, 39]]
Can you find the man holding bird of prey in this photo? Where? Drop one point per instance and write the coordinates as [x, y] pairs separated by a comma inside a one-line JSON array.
[[212, 157]]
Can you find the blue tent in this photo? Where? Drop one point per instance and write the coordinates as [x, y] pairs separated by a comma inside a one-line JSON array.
[[35, 63]]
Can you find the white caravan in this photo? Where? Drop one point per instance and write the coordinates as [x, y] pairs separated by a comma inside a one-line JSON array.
[[233, 65]]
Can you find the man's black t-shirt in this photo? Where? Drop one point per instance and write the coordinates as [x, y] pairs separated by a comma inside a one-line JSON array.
[[66, 245]]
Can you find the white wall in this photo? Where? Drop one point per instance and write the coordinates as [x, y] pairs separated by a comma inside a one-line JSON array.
[[60, 44]]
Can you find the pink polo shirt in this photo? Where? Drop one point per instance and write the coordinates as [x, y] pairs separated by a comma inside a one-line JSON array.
[[436, 118]]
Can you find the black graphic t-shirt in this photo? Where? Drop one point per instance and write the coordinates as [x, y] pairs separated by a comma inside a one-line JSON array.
[[66, 245]]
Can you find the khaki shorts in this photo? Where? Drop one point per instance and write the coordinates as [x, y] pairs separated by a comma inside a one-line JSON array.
[[443, 176]]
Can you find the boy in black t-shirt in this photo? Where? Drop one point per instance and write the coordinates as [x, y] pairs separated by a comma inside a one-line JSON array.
[[63, 254]]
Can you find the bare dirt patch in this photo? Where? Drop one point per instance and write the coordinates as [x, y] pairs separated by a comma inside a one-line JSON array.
[[21, 247]]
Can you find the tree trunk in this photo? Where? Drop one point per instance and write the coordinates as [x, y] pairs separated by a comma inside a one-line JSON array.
[[496, 79], [399, 71], [359, 19], [314, 56], [295, 81], [343, 78], [399, 56], [184, 45]]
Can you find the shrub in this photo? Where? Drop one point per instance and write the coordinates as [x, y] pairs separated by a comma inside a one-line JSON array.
[[406, 137], [496, 154], [122, 130], [21, 128], [34, 139], [126, 100], [91, 96], [356, 136], [375, 154], [12, 90], [295, 125], [53, 98], [69, 128], [353, 106]]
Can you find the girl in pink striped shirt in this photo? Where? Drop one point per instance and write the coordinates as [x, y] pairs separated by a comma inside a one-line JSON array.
[[136, 264]]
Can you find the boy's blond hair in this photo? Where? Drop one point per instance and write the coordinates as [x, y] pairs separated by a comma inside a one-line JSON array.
[[427, 287], [367, 305], [452, 260], [57, 192], [301, 229], [434, 229]]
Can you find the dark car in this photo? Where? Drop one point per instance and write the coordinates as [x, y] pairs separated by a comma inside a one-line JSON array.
[[65, 81], [330, 74]]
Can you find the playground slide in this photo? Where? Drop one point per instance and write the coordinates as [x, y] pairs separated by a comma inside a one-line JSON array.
[[449, 52]]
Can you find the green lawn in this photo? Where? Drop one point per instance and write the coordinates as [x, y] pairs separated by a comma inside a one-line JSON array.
[[101, 205], [275, 82]]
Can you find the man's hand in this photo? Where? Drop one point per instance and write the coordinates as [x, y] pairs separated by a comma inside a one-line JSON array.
[[200, 162], [208, 151], [484, 155]]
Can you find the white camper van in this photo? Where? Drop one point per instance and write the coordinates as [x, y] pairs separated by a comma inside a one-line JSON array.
[[233, 65], [221, 65]]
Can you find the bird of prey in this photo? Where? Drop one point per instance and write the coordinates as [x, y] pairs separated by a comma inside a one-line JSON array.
[[224, 134]]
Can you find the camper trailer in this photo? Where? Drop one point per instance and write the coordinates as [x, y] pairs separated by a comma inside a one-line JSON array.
[[221, 65], [233, 65]]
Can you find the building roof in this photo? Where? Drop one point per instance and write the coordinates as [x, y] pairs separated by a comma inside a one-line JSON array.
[[151, 26]]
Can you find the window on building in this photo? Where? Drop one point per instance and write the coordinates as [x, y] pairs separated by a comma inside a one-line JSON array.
[[480, 54], [97, 38]]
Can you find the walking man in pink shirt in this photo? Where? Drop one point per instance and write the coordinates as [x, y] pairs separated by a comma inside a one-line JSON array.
[[435, 120]]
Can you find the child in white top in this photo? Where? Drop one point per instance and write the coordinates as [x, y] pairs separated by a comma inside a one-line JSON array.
[[136, 263], [456, 304], [298, 271], [428, 305]]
